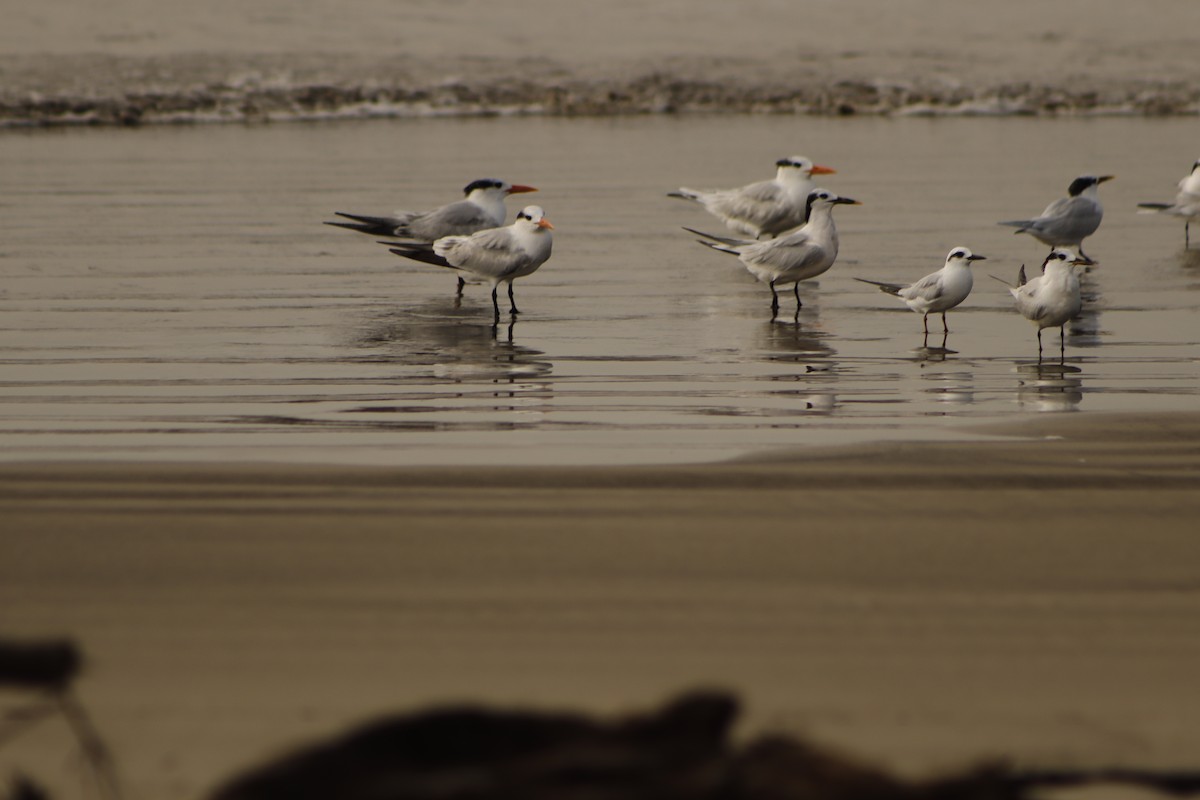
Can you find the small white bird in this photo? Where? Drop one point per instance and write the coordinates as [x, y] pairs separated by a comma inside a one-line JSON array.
[[1068, 220], [495, 256], [766, 208], [1186, 205], [802, 254], [939, 291], [1051, 299]]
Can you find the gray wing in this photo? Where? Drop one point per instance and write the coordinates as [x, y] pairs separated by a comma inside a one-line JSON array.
[[763, 192], [795, 251], [1030, 300], [457, 219], [764, 205], [928, 288], [491, 253], [374, 226], [1071, 217]]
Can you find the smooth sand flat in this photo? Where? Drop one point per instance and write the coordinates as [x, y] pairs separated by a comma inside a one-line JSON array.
[[919, 604]]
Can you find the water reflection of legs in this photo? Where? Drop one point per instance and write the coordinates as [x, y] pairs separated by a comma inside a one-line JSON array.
[[496, 330], [1050, 386], [939, 353], [433, 333]]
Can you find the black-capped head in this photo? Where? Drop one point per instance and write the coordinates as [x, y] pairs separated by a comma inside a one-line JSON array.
[[1085, 182], [483, 184], [1068, 257], [804, 166], [963, 254]]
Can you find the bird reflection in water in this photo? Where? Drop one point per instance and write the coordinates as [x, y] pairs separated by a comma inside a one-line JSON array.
[[935, 352], [458, 347], [808, 349], [1084, 328], [794, 342], [1049, 386]]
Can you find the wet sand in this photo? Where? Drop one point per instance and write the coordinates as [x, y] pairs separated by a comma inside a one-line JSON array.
[[924, 605]]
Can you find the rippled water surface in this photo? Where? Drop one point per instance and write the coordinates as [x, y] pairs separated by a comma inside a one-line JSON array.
[[171, 293]]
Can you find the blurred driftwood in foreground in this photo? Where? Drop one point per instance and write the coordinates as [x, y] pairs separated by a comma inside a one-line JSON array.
[[683, 751], [48, 669]]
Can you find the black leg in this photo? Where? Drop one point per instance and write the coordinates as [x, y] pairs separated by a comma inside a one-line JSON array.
[[461, 284], [1039, 344], [925, 324], [796, 291], [512, 302], [495, 302], [1062, 343], [774, 300], [945, 327], [1186, 242]]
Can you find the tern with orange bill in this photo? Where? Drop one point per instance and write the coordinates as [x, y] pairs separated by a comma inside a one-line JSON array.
[[766, 208], [495, 255], [480, 209]]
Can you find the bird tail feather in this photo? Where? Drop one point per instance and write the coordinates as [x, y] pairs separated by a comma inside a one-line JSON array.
[[889, 288], [714, 237]]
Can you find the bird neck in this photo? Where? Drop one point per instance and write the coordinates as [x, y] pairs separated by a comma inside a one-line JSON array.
[[1060, 273], [820, 221], [489, 201], [793, 180]]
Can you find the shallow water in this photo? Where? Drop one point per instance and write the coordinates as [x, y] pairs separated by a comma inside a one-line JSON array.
[[171, 293]]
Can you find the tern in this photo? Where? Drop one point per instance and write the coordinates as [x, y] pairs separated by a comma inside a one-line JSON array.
[[495, 255], [939, 291], [1186, 205], [480, 209], [1052, 298], [797, 256], [1068, 220], [766, 208]]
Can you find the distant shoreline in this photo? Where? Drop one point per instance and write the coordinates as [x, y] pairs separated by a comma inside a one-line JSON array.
[[97, 90]]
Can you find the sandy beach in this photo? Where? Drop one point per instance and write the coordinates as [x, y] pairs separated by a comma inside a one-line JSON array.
[[274, 482], [922, 606]]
